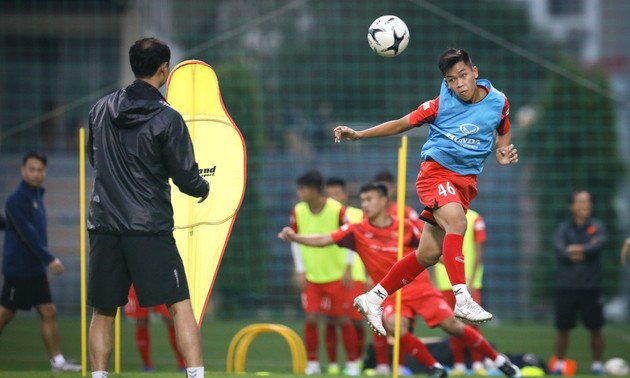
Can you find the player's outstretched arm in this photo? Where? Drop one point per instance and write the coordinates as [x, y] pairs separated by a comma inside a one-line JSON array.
[[315, 240], [506, 153], [388, 128]]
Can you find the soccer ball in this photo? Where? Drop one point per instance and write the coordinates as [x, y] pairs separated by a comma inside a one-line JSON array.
[[616, 366], [388, 36]]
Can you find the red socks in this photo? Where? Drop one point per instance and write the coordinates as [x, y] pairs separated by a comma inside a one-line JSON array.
[[144, 346], [412, 346], [401, 273], [473, 340], [381, 350], [349, 336], [311, 340], [454, 258]]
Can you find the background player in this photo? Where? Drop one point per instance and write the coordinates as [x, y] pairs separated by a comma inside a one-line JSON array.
[[376, 241], [325, 284], [336, 189]]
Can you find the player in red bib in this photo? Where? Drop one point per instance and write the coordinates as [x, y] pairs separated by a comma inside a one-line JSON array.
[[466, 121], [376, 241]]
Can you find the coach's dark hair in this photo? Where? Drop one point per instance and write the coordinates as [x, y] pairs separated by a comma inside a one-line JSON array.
[[451, 57], [374, 186], [336, 181], [311, 179], [35, 155], [384, 176], [146, 55], [576, 192]]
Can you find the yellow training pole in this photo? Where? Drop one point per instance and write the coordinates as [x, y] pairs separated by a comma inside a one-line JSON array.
[[117, 342], [82, 251], [400, 199]]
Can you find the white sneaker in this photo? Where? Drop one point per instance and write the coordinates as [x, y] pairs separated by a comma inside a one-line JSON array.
[[373, 314], [472, 312], [65, 366], [382, 369], [312, 368], [352, 369], [509, 369]]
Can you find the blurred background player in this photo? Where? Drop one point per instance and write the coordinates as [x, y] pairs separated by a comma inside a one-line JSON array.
[[325, 283], [26, 256], [141, 315], [474, 240], [381, 344], [337, 189], [386, 178], [579, 244], [376, 241]]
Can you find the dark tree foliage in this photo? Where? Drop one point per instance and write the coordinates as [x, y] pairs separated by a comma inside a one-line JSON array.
[[572, 146]]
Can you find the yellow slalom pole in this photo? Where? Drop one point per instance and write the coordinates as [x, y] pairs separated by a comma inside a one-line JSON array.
[[82, 252], [400, 199], [117, 342]]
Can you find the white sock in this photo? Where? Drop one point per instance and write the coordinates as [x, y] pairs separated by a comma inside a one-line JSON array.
[[58, 359], [194, 372], [459, 366], [99, 374], [500, 360], [477, 365], [461, 293], [559, 365], [597, 365], [438, 365], [377, 295]]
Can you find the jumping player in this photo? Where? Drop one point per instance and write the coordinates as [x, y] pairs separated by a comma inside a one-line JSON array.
[[376, 241], [463, 120]]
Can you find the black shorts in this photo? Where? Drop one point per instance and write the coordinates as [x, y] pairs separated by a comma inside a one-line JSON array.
[[587, 302], [152, 263], [22, 293]]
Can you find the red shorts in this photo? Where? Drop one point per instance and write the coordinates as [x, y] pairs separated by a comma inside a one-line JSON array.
[[423, 301], [437, 186], [449, 297], [133, 309], [331, 298], [357, 289]]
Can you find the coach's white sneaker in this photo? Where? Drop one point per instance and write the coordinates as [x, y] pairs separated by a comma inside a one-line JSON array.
[[373, 313], [472, 312], [64, 366]]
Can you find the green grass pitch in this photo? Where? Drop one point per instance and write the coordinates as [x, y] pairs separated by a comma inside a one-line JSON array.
[[22, 354]]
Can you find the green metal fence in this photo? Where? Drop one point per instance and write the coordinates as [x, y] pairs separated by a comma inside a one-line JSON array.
[[291, 70]]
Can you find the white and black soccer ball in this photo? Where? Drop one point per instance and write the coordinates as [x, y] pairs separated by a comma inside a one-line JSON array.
[[388, 36], [617, 367]]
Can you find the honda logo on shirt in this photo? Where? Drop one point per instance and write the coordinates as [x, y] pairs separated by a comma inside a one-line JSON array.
[[469, 128]]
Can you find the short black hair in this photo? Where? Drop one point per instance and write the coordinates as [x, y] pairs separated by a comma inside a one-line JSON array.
[[35, 155], [451, 57], [311, 179], [336, 181], [384, 176], [146, 55], [374, 186]]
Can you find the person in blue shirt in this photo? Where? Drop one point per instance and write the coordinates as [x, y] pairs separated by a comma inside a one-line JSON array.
[[26, 258], [466, 121]]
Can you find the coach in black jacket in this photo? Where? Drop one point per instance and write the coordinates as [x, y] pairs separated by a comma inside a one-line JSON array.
[[136, 143], [579, 244]]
